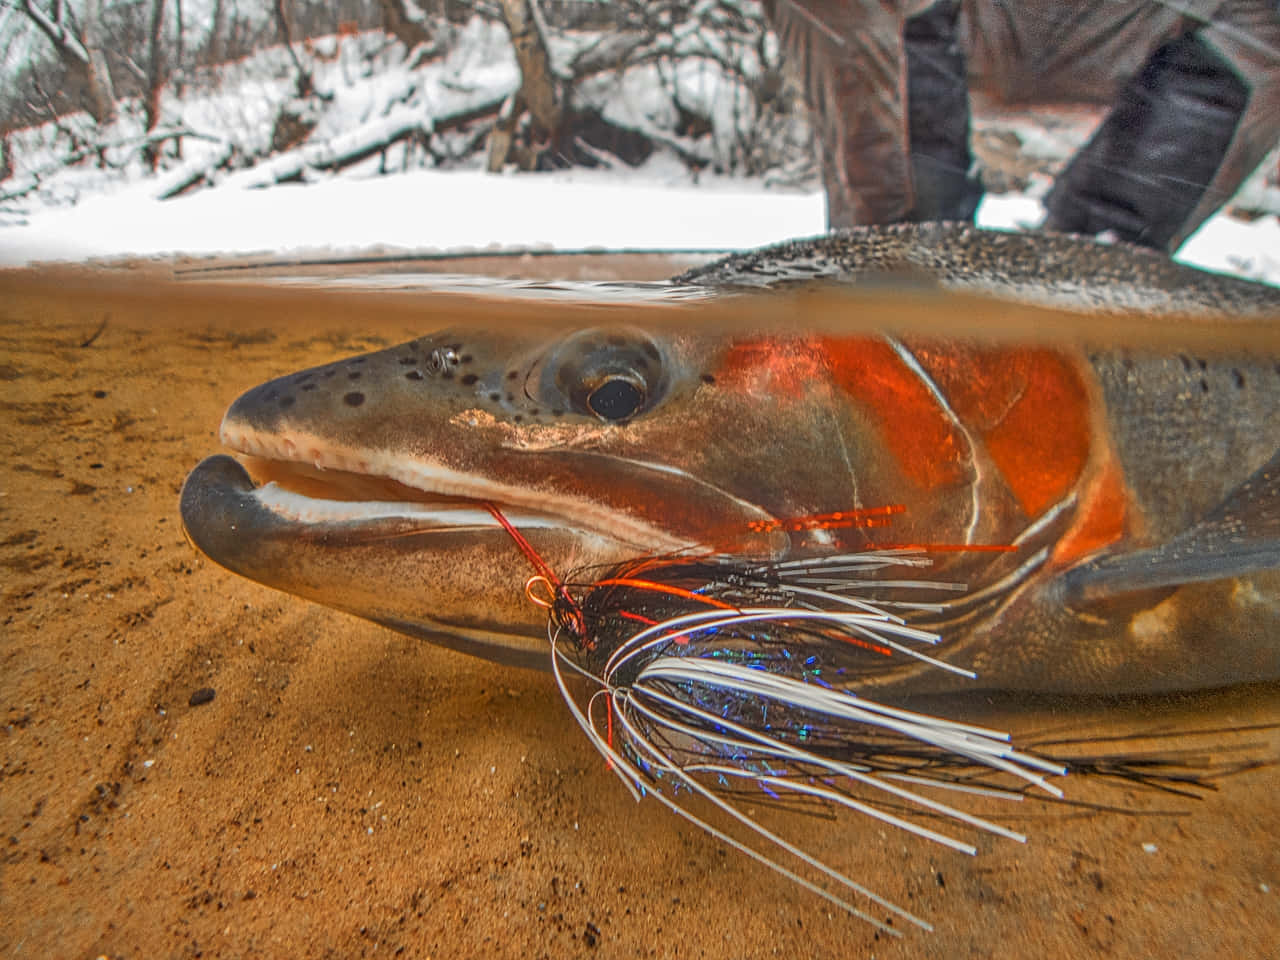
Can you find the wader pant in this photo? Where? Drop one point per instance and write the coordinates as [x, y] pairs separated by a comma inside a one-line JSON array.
[[1194, 88]]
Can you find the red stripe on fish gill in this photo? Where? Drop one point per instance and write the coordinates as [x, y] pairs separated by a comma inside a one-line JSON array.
[[928, 447], [1034, 413], [862, 518], [1029, 407]]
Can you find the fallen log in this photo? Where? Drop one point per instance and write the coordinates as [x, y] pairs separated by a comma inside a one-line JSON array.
[[401, 122]]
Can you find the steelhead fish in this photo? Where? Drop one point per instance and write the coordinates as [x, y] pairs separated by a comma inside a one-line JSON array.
[[730, 529], [1140, 491]]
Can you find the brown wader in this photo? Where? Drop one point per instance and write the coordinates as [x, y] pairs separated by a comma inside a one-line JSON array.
[[1194, 88]]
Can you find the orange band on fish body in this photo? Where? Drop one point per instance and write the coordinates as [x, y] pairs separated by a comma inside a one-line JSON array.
[[914, 427], [940, 409], [1030, 407], [1102, 517]]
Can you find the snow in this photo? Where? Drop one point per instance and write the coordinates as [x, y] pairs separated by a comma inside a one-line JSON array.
[[655, 208], [360, 79], [1010, 211], [368, 92], [112, 209], [1233, 246], [421, 211]]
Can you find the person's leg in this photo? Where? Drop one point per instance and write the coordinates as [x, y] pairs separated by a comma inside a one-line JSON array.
[[1047, 51], [938, 117], [888, 97], [848, 55], [1247, 35], [1146, 167]]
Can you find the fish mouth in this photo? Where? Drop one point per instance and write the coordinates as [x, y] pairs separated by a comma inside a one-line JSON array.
[[437, 566], [312, 497], [311, 479], [392, 512]]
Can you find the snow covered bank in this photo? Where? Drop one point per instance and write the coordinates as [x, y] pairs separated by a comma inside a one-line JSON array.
[[421, 211]]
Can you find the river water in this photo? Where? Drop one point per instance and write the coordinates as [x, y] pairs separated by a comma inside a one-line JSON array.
[[348, 789]]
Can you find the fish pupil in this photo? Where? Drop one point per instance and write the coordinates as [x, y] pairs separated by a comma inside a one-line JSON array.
[[616, 399]]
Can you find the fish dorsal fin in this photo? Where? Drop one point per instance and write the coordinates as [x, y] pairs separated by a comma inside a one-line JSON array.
[[1240, 537]]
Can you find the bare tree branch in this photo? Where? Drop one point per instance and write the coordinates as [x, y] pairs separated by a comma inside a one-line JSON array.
[[68, 44], [155, 78], [284, 19], [31, 181], [357, 144], [81, 50]]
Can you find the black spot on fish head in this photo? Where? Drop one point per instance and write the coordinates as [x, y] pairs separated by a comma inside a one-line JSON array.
[[361, 389]]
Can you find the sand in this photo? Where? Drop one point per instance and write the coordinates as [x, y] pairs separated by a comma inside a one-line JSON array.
[[348, 791]]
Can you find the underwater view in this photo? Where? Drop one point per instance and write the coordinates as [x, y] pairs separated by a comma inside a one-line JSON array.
[[639, 478], [196, 763]]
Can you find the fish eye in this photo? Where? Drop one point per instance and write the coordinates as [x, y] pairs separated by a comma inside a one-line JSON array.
[[610, 375], [617, 398]]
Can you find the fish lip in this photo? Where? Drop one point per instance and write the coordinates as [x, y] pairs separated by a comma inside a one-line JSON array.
[[224, 508], [221, 516]]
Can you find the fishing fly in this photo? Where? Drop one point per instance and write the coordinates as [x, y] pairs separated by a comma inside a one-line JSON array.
[[733, 683], [727, 681]]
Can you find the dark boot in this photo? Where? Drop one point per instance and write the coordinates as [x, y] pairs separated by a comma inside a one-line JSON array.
[[1146, 167]]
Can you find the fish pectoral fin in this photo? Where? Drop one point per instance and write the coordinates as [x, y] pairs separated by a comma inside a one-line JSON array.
[[1240, 537]]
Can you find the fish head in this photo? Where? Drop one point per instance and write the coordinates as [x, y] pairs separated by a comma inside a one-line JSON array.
[[366, 484]]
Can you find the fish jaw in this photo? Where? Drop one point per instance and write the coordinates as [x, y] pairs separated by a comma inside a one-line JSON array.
[[441, 571]]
